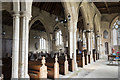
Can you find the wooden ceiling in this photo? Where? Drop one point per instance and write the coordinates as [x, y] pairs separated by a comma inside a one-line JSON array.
[[108, 7], [55, 8]]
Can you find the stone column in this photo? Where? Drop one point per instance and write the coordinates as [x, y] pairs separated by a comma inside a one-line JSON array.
[[50, 42], [89, 41], [85, 43], [91, 49], [70, 43], [26, 47], [15, 49], [75, 47], [98, 44], [25, 17]]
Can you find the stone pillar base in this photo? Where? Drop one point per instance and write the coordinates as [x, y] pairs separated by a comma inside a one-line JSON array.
[[76, 66], [83, 61], [91, 58], [27, 76], [94, 57]]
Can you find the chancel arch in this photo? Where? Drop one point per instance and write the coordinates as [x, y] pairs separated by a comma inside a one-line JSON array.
[[38, 35]]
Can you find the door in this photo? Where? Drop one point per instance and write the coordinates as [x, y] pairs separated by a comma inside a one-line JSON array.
[[106, 48]]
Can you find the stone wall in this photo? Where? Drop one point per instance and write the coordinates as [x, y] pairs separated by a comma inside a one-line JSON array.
[[106, 21], [33, 41]]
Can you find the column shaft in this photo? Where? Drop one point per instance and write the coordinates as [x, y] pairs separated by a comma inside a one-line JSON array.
[[22, 47], [89, 45], [70, 41], [26, 46], [15, 49], [75, 47]]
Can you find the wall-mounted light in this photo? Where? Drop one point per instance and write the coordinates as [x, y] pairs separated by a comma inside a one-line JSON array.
[[88, 31], [54, 39], [69, 17], [3, 33], [97, 35], [65, 26]]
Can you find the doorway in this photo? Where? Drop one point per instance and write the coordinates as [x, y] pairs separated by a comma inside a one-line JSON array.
[[106, 48]]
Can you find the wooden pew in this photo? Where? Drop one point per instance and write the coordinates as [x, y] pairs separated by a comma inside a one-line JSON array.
[[63, 65], [86, 57], [38, 71], [7, 68], [71, 63], [94, 55], [81, 60], [52, 67], [89, 60]]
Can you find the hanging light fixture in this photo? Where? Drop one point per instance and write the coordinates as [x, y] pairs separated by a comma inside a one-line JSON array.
[[36, 37], [63, 20]]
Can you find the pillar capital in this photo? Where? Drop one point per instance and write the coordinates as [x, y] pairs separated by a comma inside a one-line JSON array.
[[25, 14], [15, 13]]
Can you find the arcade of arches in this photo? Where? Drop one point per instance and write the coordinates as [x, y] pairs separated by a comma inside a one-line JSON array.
[[50, 39]]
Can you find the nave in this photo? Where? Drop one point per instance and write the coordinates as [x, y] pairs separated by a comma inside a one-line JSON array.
[[59, 40]]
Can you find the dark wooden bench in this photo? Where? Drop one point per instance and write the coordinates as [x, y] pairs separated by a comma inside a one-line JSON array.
[[80, 60], [52, 67], [7, 67], [71, 63], [63, 65], [89, 60], [94, 55], [38, 71], [86, 56]]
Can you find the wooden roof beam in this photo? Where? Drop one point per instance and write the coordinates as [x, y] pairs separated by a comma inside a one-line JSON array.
[[107, 7]]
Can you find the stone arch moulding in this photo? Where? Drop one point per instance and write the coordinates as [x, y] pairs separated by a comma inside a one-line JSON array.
[[97, 25], [41, 20], [113, 21], [85, 14]]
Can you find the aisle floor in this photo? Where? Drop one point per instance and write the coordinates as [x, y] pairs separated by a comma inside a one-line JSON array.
[[98, 69]]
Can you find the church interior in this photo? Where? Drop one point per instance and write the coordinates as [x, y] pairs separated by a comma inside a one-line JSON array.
[[59, 39]]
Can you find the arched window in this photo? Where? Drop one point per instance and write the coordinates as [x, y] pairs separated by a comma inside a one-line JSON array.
[[105, 34], [59, 38], [42, 44], [116, 34]]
